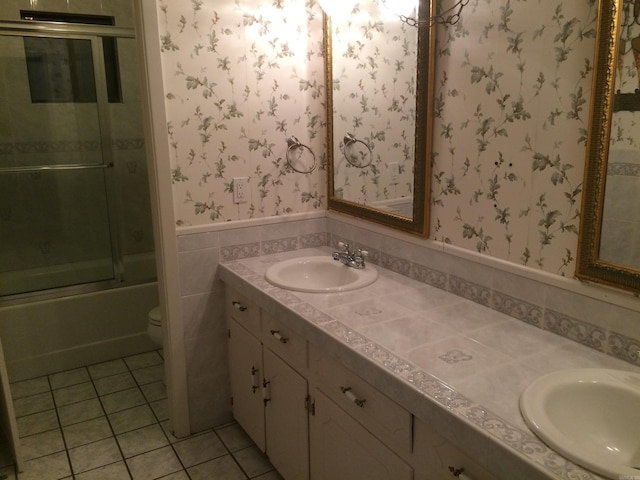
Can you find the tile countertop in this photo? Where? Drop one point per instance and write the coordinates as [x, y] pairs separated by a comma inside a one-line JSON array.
[[456, 364]]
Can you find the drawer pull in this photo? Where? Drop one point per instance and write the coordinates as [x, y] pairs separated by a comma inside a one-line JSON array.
[[239, 306], [277, 336], [352, 397], [255, 383]]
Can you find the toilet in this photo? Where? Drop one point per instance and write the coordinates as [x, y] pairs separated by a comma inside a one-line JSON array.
[[154, 326]]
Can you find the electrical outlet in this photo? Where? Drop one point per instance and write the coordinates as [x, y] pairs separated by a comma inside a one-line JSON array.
[[240, 189], [394, 172]]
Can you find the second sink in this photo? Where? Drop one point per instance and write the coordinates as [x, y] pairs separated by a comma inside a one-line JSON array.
[[319, 274], [590, 416]]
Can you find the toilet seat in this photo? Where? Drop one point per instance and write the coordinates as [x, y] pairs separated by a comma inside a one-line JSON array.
[[154, 316], [154, 326]]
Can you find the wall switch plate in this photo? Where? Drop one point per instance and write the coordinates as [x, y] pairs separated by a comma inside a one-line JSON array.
[[394, 172], [240, 189]]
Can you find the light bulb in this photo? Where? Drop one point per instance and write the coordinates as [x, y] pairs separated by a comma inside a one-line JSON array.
[[399, 7], [337, 8]]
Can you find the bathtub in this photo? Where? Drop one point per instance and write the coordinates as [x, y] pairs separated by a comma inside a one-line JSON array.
[[48, 335]]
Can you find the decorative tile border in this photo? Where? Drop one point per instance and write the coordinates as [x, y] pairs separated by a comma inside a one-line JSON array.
[[311, 313], [387, 359], [429, 276], [469, 290], [395, 264], [623, 169], [279, 245], [313, 240], [519, 309], [238, 252], [624, 348], [576, 330]]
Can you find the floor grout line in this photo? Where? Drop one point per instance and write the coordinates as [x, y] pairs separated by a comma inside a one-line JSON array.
[[129, 362]]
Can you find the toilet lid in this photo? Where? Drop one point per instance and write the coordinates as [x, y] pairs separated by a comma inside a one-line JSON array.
[[154, 316]]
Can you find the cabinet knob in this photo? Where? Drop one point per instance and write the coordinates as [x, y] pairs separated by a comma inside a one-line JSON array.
[[352, 396], [239, 306], [276, 334]]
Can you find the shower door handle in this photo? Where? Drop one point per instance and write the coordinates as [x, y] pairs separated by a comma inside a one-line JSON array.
[[41, 168]]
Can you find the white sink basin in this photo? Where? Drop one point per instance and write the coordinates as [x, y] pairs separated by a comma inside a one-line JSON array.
[[591, 416], [320, 274]]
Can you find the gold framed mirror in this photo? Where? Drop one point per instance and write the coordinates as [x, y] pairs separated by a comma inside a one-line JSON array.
[[379, 77], [608, 250]]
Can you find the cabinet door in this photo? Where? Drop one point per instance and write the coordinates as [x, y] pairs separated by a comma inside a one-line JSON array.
[[286, 418], [341, 448], [246, 374]]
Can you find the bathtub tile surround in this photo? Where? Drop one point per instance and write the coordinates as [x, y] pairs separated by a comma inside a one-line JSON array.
[[450, 350], [117, 429]]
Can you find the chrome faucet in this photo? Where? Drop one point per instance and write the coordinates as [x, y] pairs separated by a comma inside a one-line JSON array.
[[350, 258]]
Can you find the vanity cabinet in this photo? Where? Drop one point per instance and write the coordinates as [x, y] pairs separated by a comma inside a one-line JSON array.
[[269, 397], [317, 419]]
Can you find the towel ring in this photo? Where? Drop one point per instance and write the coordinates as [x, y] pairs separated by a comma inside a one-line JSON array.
[[294, 144], [348, 141]]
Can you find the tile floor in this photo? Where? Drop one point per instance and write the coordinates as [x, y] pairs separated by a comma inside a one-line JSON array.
[[109, 421]]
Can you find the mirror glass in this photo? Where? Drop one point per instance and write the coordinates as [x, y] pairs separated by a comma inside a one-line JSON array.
[[378, 89], [609, 249]]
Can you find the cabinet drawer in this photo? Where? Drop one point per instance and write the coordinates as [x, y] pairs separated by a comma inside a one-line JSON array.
[[243, 311], [376, 412], [289, 346]]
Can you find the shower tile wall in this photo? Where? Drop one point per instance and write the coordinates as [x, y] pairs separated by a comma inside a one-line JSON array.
[[63, 133]]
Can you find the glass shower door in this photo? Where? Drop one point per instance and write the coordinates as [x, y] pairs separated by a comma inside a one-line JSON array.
[[55, 224]]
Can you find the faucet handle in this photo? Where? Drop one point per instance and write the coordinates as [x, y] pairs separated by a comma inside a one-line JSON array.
[[344, 246], [363, 253]]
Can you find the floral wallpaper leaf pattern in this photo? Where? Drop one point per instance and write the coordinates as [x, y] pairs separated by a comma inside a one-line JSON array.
[[242, 76], [512, 86], [513, 83]]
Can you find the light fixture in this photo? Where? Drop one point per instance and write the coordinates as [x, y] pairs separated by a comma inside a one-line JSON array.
[[400, 8], [337, 8], [450, 16]]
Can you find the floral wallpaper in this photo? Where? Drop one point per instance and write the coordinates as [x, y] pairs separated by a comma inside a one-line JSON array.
[[241, 78], [512, 91], [513, 82], [374, 59]]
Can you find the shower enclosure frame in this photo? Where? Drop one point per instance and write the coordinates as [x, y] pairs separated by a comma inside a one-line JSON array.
[[93, 33]]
